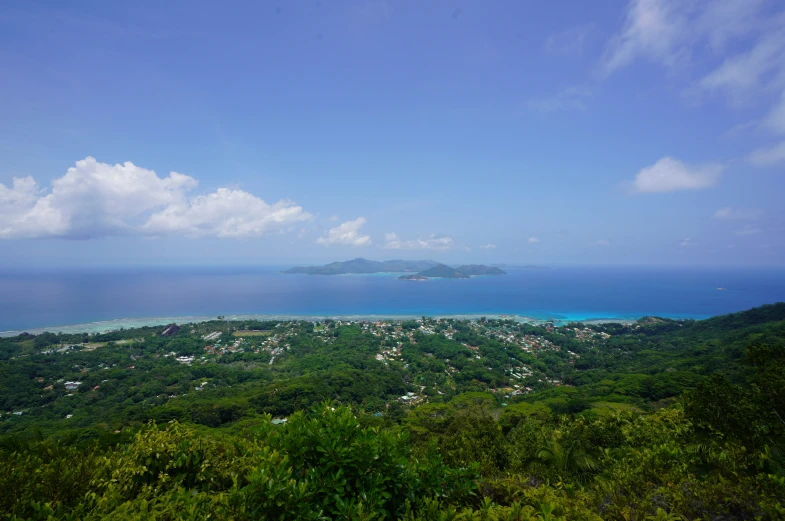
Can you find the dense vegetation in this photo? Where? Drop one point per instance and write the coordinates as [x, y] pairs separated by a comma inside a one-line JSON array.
[[427, 419]]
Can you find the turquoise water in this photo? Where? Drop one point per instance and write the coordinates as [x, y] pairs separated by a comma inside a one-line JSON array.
[[94, 299]]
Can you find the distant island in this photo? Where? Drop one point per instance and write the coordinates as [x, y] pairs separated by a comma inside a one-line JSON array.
[[442, 271], [360, 265], [421, 269], [480, 269]]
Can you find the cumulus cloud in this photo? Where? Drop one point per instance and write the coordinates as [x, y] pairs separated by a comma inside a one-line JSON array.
[[432, 242], [571, 98], [96, 199], [15, 205], [347, 233], [488, 246], [225, 213], [737, 213], [669, 174], [533, 240]]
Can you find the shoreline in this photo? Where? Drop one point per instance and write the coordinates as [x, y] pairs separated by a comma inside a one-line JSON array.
[[104, 326]]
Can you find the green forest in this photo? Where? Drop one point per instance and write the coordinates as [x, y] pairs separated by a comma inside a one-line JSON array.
[[428, 419]]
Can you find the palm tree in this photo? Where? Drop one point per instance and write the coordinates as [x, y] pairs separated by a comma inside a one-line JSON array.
[[568, 459]]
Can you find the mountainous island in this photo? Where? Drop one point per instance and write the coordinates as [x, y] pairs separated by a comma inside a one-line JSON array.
[[361, 265], [442, 271], [422, 269]]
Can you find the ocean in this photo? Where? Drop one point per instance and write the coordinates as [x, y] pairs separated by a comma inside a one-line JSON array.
[[95, 300]]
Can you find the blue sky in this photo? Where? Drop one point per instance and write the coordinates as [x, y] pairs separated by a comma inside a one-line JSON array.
[[617, 132]]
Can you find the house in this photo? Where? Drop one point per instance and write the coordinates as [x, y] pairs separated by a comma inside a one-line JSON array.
[[72, 386]]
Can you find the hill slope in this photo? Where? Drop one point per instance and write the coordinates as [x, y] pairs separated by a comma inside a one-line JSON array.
[[442, 271], [409, 419]]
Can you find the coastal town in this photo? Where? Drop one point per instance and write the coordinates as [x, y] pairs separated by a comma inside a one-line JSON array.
[[435, 356]]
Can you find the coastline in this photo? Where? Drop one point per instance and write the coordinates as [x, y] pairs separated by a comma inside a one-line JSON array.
[[125, 298], [104, 326]]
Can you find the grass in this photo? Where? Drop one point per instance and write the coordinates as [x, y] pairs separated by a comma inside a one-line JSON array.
[[246, 332]]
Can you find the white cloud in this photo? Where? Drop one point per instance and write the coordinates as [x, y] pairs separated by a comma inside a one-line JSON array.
[[601, 242], [225, 213], [571, 98], [333, 218], [347, 233], [686, 242], [653, 29], [533, 240], [748, 230], [737, 213], [740, 44], [432, 242], [669, 174], [488, 246], [96, 199], [767, 156], [15, 205], [761, 67], [670, 32]]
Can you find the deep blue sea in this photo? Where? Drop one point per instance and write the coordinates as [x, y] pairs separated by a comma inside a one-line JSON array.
[[34, 299]]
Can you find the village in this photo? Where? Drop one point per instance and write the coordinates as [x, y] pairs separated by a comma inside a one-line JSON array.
[[401, 343]]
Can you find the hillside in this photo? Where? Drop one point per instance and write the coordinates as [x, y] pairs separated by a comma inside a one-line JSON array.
[[404, 419], [442, 271]]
